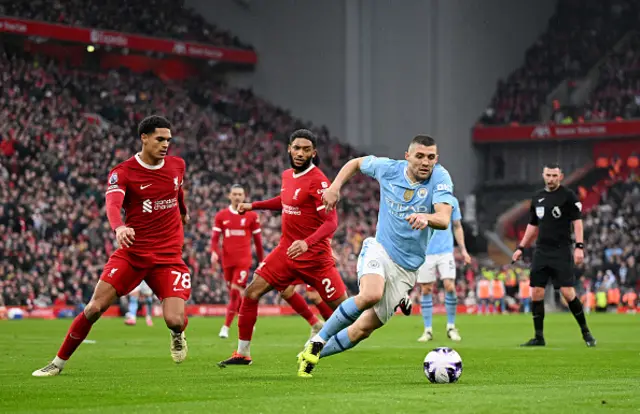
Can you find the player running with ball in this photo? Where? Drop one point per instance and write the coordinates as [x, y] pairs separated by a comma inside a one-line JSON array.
[[416, 196], [149, 188]]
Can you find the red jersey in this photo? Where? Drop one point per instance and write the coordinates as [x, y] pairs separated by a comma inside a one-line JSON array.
[[303, 210], [153, 202], [236, 231]]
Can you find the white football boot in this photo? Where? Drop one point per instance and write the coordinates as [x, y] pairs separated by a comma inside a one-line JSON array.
[[178, 347], [427, 335], [51, 370]]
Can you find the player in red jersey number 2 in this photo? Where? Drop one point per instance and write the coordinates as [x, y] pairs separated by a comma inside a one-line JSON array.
[[236, 231], [304, 252], [149, 188]]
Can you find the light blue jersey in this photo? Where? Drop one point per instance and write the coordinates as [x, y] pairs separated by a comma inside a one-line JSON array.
[[399, 198], [442, 240]]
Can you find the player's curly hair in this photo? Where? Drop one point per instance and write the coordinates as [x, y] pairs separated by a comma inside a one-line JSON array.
[[150, 123], [304, 133]]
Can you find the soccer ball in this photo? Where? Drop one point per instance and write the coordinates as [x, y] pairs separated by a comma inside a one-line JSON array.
[[442, 366]]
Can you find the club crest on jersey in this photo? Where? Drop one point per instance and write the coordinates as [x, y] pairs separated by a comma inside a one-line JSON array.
[[556, 213], [243, 221], [176, 183], [540, 212], [295, 195], [408, 195], [324, 185], [422, 192], [113, 179]]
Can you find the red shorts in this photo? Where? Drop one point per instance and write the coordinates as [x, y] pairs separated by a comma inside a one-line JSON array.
[[169, 279], [321, 274], [236, 275]]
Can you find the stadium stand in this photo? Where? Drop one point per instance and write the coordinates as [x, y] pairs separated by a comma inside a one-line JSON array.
[[578, 35], [158, 18]]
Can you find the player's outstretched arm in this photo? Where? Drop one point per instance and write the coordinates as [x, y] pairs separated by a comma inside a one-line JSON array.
[[274, 204], [332, 194]]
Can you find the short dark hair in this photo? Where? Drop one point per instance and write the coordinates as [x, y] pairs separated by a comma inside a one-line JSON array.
[[552, 165], [234, 186], [150, 123], [304, 133], [425, 140]]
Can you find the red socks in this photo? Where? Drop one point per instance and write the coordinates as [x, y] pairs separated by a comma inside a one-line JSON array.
[[297, 302], [325, 310], [233, 307], [77, 333], [247, 318]]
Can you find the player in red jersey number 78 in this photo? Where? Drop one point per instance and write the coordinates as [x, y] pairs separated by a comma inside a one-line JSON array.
[[304, 252], [149, 188]]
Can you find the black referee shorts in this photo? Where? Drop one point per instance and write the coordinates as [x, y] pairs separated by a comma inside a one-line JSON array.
[[555, 264]]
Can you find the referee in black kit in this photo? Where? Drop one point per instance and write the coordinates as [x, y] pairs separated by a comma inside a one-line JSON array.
[[553, 210]]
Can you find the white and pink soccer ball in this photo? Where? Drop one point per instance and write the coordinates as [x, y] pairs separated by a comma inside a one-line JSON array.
[[443, 366]]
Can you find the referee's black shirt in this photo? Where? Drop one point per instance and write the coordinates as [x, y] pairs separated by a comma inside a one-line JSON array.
[[553, 212]]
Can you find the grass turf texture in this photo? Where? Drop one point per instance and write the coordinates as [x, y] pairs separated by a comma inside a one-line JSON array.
[[129, 369]]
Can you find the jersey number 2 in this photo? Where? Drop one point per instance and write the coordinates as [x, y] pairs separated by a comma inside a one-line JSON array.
[[326, 282], [182, 279]]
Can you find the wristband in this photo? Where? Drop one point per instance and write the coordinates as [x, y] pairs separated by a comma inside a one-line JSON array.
[[520, 247], [579, 245]]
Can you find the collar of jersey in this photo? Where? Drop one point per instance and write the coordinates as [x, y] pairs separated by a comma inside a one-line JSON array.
[[232, 210], [147, 166], [296, 175], [406, 177]]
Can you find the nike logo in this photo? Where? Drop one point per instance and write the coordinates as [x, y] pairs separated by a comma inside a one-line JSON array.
[[282, 189], [226, 222], [540, 200], [332, 293], [142, 187], [73, 337], [177, 290]]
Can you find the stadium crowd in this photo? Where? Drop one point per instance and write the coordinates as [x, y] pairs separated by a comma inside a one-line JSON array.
[[158, 18], [578, 35], [56, 151]]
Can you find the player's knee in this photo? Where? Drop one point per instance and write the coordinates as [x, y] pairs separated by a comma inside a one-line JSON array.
[[174, 319], [449, 285], [427, 288], [251, 293], [287, 293], [369, 298], [537, 294], [94, 310], [569, 293], [359, 332]]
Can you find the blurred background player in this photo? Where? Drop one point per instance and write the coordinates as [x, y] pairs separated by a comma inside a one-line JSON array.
[[417, 197], [148, 186], [236, 259], [554, 210], [304, 253], [440, 261], [141, 291]]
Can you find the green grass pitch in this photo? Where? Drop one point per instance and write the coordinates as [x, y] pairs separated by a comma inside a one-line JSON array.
[[128, 369]]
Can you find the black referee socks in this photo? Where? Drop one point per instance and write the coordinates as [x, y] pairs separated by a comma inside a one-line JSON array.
[[576, 308], [537, 310]]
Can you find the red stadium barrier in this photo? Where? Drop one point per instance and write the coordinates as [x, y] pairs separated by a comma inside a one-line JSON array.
[[86, 36], [487, 134]]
